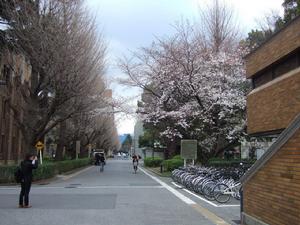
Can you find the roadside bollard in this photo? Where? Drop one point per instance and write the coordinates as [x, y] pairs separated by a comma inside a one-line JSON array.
[[161, 168]]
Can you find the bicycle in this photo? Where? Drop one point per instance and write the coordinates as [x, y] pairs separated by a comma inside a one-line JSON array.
[[223, 192]]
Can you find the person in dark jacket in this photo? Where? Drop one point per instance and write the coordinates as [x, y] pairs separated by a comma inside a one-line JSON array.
[[30, 162], [97, 157], [101, 161]]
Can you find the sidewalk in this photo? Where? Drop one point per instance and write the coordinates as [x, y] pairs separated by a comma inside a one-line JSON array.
[[156, 170], [229, 214]]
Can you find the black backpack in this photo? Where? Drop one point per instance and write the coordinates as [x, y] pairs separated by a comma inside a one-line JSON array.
[[18, 175]]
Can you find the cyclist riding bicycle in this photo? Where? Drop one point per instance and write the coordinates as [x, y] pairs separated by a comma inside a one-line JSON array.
[[135, 163]]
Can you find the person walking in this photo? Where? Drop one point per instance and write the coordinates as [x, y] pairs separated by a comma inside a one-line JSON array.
[[30, 162], [135, 163], [97, 157], [102, 162]]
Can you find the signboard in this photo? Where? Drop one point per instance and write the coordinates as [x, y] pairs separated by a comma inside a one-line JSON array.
[[189, 149], [39, 145]]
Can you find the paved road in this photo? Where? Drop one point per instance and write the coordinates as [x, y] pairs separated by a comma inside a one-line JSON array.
[[115, 197]]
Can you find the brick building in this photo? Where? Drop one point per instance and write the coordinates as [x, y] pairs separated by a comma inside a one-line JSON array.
[[271, 186], [15, 72]]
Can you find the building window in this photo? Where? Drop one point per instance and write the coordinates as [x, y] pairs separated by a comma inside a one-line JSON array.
[[5, 75], [278, 69], [287, 65], [262, 79]]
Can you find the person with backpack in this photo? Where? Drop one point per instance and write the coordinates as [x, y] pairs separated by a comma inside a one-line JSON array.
[[27, 165], [101, 161], [135, 163], [97, 157]]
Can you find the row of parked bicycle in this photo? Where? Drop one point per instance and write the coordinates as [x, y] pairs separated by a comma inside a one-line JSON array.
[[213, 183]]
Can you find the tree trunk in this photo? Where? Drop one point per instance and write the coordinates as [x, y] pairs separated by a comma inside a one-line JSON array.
[[61, 141], [171, 149]]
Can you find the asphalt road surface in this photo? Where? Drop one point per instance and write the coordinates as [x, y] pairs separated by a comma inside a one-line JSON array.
[[115, 197]]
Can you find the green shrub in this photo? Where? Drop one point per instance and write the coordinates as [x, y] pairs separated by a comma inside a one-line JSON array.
[[67, 165], [218, 162], [177, 157], [7, 174], [153, 162], [45, 171], [172, 164]]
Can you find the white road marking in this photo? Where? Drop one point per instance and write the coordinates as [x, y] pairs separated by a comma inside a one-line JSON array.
[[229, 206], [205, 212], [177, 185], [172, 190], [203, 199], [86, 187]]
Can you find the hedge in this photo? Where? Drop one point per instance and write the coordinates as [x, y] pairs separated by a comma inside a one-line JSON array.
[[217, 162], [153, 162], [172, 164], [45, 171], [67, 165], [7, 173], [177, 157]]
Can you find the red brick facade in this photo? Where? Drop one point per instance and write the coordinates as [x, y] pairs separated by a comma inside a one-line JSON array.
[[274, 105], [271, 186], [272, 194], [274, 49]]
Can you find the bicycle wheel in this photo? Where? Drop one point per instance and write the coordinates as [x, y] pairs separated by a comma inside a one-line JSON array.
[[135, 169], [219, 194], [208, 190]]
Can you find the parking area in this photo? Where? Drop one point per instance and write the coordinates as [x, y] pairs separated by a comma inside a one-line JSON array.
[[231, 203], [229, 211]]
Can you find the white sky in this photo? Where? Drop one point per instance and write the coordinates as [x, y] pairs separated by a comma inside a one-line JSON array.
[[130, 24]]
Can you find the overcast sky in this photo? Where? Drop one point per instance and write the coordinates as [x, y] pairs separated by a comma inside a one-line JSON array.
[[130, 24]]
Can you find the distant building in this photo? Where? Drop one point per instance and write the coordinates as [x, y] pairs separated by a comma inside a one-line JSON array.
[[15, 75], [138, 131], [270, 187], [126, 142], [122, 138]]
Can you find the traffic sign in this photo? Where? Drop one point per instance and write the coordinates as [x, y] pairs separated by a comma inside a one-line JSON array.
[[39, 145]]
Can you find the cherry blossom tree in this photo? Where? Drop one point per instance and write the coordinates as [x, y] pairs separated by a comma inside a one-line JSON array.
[[192, 89]]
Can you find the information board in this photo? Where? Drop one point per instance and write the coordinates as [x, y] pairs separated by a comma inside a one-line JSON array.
[[188, 149]]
